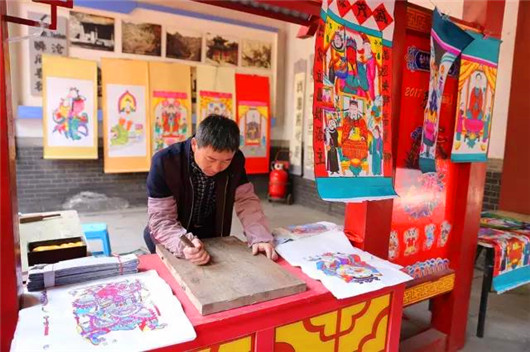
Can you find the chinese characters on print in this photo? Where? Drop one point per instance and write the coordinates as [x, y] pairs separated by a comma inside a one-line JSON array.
[[48, 42], [296, 141]]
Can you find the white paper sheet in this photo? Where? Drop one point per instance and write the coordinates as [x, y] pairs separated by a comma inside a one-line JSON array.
[[344, 270], [126, 313]]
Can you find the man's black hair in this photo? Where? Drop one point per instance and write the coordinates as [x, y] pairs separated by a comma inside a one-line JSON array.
[[218, 132]]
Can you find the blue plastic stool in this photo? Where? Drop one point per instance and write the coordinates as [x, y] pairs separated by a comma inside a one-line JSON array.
[[98, 231]]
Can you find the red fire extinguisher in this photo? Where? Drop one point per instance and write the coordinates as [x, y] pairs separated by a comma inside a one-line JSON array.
[[279, 181]]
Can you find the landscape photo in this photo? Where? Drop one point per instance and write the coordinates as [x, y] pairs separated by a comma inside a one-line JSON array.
[[256, 54], [141, 38], [183, 45]]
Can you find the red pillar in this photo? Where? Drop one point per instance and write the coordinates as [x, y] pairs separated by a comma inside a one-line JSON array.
[[450, 312], [515, 188], [9, 248]]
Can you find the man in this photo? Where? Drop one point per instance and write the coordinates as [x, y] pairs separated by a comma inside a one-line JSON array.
[[193, 187]]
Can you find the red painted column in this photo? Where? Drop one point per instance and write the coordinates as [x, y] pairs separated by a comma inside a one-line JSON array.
[[515, 188], [450, 312], [10, 278]]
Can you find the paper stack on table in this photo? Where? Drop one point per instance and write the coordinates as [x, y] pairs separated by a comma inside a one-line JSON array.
[[295, 232], [344, 270], [80, 270], [136, 312]]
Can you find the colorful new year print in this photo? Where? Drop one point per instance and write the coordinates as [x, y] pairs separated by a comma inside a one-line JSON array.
[[351, 136], [429, 267], [410, 237], [127, 120], [476, 93], [253, 119], [348, 267], [171, 118], [70, 104], [393, 247], [447, 42], [215, 103], [124, 305]]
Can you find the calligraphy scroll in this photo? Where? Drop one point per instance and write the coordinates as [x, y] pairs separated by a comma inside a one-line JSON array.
[[295, 144], [48, 42]]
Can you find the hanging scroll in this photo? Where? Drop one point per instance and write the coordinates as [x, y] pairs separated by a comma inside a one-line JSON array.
[[253, 118], [170, 86], [216, 90], [70, 126], [352, 139], [125, 119], [447, 42], [478, 75]]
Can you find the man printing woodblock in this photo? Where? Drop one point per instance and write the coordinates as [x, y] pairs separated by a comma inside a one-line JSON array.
[[193, 187]]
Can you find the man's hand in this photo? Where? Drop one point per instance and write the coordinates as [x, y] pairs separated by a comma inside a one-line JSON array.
[[267, 248], [198, 254]]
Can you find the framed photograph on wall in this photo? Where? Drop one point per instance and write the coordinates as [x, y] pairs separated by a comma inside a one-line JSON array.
[[256, 54], [91, 31], [141, 38], [221, 50], [183, 44]]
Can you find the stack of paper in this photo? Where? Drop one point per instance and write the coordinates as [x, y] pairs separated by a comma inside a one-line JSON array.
[[344, 270], [295, 232], [136, 312], [80, 270]]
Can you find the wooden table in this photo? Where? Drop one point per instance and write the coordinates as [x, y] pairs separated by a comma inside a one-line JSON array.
[[65, 226], [309, 321]]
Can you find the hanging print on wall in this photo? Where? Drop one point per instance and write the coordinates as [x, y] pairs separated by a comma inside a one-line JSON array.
[[253, 126], [215, 103], [351, 108], [127, 120], [253, 118], [71, 112], [476, 93], [171, 113], [126, 115], [69, 108]]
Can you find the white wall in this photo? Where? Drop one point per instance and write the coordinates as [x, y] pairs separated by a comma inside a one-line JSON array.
[[504, 81], [19, 51], [296, 49]]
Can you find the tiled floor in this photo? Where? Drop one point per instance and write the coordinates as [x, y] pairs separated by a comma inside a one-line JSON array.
[[507, 324]]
